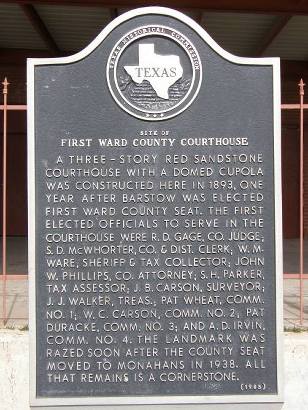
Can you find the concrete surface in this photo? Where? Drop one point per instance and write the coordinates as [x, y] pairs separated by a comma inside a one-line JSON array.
[[17, 290], [17, 303], [291, 255], [17, 255], [17, 258], [14, 370], [296, 371], [14, 382], [291, 304]]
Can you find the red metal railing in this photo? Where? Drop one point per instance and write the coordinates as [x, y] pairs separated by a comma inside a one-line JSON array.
[[301, 276], [4, 277], [5, 92]]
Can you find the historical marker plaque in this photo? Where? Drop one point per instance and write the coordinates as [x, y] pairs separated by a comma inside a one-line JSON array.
[[155, 238]]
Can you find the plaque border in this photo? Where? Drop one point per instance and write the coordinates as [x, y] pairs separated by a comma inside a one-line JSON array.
[[248, 401]]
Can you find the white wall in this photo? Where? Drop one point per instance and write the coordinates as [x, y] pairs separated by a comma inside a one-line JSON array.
[[14, 370]]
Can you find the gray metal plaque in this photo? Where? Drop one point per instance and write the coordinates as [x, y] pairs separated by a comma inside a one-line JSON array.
[[154, 220]]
